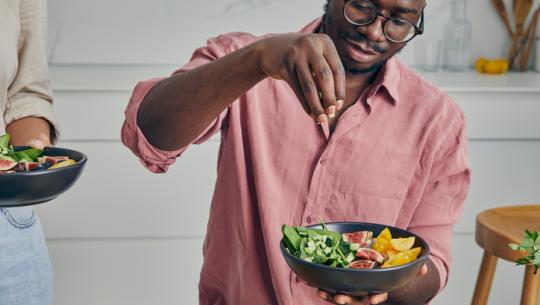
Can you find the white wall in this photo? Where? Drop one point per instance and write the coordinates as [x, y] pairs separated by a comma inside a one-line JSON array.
[[167, 31]]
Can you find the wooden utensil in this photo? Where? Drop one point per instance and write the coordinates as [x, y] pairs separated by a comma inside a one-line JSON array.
[[528, 41], [523, 7], [501, 9]]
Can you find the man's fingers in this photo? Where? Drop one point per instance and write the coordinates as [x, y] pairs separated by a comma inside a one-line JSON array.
[[338, 71], [325, 83], [343, 299], [378, 298], [311, 94], [323, 294], [423, 270], [297, 88]]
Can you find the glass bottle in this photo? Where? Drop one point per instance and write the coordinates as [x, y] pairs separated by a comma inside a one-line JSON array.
[[457, 38]]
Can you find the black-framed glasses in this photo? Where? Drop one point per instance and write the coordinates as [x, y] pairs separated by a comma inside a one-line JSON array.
[[363, 12]]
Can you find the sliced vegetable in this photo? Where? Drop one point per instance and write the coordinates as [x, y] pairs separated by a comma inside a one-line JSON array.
[[402, 244], [32, 153], [63, 164]]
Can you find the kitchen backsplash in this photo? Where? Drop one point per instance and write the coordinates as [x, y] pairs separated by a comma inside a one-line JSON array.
[[167, 31]]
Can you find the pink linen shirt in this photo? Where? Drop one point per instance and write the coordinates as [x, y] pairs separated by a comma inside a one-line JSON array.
[[398, 156]]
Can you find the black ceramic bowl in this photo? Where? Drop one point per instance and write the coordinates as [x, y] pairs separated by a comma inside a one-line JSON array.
[[357, 282], [28, 188]]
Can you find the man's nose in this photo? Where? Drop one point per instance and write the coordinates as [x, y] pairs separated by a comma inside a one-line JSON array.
[[373, 31]]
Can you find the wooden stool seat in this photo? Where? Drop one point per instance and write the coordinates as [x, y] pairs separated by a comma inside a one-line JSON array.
[[495, 229]]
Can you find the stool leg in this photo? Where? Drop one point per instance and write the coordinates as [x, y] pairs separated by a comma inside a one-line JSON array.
[[531, 285], [484, 280]]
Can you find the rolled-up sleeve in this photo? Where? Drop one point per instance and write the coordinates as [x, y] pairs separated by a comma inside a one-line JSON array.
[[441, 205], [154, 159], [30, 92]]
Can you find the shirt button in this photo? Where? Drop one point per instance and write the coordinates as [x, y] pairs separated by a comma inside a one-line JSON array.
[[309, 219], [297, 279], [322, 161]]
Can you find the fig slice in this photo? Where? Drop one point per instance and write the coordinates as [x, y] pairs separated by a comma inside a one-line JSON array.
[[362, 264], [6, 165], [370, 254]]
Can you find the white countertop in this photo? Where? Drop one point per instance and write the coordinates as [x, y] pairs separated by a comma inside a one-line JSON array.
[[124, 77]]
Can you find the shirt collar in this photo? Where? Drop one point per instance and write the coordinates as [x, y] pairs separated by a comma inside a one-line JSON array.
[[388, 77]]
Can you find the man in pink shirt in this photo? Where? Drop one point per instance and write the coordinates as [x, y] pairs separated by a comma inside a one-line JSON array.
[[323, 123]]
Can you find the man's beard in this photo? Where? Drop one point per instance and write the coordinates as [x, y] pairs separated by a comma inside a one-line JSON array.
[[358, 71]]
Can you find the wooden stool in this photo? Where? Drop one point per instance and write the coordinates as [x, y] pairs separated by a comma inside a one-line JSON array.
[[495, 229]]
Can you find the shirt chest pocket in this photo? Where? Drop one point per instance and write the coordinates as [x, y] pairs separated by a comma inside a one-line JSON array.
[[370, 191]]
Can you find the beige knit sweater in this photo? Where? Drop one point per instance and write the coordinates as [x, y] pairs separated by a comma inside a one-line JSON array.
[[25, 88]]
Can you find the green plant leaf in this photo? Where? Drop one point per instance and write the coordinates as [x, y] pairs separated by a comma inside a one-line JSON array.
[[530, 244], [4, 141], [536, 259], [32, 153], [291, 238], [21, 156], [527, 243]]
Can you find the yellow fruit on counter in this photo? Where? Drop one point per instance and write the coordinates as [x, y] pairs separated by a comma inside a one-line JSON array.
[[491, 66], [504, 65], [480, 64]]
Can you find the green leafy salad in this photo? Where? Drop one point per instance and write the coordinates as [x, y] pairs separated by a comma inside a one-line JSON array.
[[31, 159]]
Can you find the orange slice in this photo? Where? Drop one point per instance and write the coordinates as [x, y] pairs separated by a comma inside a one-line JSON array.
[[402, 244], [391, 252], [413, 253], [63, 164], [396, 260], [381, 245], [385, 234]]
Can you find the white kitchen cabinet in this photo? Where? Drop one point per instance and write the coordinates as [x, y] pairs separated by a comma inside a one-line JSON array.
[[122, 235]]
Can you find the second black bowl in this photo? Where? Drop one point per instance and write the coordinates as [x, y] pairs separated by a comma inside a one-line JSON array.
[[29, 188], [358, 282]]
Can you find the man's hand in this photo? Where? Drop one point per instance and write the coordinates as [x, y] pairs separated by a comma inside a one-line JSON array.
[[374, 299], [30, 131], [312, 67]]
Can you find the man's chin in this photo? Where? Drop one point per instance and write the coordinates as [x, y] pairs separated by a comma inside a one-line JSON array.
[[364, 69]]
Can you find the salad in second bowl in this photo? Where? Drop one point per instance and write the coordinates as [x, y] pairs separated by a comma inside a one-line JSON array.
[[26, 160], [355, 250]]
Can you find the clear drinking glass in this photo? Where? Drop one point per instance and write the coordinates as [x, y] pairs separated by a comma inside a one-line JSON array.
[[457, 38], [427, 54]]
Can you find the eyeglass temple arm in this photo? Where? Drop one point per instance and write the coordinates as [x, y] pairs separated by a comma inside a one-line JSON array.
[[421, 28]]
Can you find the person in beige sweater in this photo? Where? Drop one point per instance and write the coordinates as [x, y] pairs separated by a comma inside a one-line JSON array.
[[27, 115]]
